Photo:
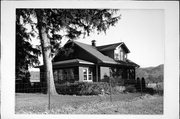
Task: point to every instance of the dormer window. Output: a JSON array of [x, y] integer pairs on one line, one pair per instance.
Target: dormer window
[[119, 54], [116, 54]]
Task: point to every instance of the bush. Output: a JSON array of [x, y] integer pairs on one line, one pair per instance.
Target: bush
[[114, 81], [151, 91], [138, 84], [82, 88], [143, 83], [119, 89], [130, 88]]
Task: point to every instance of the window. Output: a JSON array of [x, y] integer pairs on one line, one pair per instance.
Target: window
[[90, 74], [63, 75], [116, 54], [121, 55], [87, 74]]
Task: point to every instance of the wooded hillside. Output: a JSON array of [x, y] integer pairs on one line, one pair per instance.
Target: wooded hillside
[[151, 74]]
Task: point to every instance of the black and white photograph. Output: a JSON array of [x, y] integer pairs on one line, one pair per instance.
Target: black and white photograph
[[103, 59]]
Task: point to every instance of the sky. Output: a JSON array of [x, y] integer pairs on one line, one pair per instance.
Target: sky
[[143, 32]]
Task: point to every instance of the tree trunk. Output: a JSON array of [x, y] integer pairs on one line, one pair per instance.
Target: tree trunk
[[46, 52]]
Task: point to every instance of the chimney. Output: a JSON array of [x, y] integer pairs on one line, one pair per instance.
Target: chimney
[[93, 43]]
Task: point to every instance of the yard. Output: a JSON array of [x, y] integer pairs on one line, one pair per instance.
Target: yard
[[130, 103]]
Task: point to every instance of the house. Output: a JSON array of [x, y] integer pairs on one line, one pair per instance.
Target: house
[[90, 63]]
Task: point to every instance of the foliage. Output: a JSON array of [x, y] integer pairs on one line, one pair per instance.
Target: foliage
[[141, 86], [114, 81], [68, 23], [149, 91], [26, 54], [130, 88], [73, 23], [143, 83], [82, 88]]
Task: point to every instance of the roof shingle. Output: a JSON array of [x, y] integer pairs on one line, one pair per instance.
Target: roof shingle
[[93, 51]]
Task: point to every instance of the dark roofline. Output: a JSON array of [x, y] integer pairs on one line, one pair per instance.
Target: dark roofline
[[112, 47], [70, 61], [80, 61], [101, 47]]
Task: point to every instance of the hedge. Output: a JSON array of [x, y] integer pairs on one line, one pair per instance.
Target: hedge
[[82, 88]]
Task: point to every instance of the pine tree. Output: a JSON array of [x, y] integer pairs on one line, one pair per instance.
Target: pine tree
[[26, 54]]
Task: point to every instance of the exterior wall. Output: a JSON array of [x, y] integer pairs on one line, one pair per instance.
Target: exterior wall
[[81, 74], [104, 71]]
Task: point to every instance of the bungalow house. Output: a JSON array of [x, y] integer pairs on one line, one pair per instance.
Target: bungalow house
[[90, 63]]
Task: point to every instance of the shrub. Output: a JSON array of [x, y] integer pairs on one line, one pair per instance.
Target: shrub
[[130, 88], [143, 83], [119, 89], [159, 88], [138, 84], [113, 80], [151, 91], [82, 88]]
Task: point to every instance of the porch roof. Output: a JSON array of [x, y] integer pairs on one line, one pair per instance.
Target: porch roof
[[72, 61], [127, 63], [69, 62]]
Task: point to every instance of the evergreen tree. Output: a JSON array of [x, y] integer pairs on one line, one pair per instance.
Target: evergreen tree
[[26, 54]]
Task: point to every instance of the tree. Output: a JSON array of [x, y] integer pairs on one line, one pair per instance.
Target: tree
[[26, 54], [55, 24]]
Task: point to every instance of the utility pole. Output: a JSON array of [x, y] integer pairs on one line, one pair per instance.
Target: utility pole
[[49, 93]]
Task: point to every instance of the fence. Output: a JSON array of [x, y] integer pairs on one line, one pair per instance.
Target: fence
[[118, 84]]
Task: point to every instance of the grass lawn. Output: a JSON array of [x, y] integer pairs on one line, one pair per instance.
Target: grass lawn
[[131, 103]]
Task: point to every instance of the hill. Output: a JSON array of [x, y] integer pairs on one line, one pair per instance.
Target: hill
[[151, 74]]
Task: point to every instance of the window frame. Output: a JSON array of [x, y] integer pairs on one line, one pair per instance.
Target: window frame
[[88, 74]]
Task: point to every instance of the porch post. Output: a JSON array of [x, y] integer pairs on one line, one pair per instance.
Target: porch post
[[134, 69], [97, 73], [127, 73]]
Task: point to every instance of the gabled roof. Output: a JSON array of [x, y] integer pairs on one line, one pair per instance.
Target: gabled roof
[[113, 46], [96, 52], [93, 51]]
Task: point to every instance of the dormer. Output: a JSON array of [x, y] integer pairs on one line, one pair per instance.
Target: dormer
[[121, 52], [117, 51]]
